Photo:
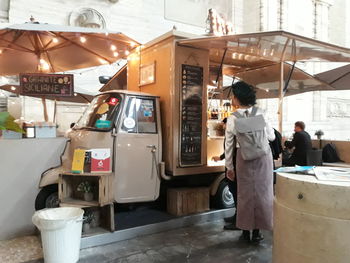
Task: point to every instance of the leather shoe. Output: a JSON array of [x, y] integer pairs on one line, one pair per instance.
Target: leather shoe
[[245, 236], [231, 227], [229, 219], [257, 236]]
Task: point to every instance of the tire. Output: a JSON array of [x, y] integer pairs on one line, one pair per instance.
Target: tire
[[223, 197], [47, 197]]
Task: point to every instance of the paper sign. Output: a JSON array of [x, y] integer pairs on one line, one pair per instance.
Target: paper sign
[[101, 160], [113, 101]]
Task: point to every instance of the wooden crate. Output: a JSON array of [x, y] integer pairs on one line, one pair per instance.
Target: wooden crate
[[106, 219], [184, 201], [103, 189]]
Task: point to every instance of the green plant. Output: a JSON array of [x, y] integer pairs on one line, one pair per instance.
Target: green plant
[[319, 133], [88, 217], [85, 187], [7, 122]]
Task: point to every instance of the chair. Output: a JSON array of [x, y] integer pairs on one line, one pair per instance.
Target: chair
[[314, 157]]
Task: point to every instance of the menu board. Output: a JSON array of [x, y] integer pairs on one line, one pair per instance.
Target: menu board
[[47, 84], [191, 115]]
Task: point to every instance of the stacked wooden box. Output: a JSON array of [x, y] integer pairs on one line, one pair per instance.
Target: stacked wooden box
[[103, 194], [184, 201]]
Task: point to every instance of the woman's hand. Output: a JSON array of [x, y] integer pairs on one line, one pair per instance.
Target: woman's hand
[[230, 174], [216, 158]]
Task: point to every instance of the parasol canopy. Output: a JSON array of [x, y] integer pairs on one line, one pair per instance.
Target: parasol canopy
[[35, 47], [257, 57], [339, 78]]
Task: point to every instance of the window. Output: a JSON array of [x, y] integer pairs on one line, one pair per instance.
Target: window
[[140, 116], [101, 112]]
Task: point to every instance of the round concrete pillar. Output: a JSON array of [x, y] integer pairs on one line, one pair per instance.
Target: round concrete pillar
[[311, 220]]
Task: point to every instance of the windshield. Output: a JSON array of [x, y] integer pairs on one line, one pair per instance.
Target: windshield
[[101, 112]]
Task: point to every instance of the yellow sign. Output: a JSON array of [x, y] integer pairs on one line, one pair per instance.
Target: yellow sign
[[78, 161]]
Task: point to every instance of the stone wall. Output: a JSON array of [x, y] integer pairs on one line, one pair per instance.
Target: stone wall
[[141, 20]]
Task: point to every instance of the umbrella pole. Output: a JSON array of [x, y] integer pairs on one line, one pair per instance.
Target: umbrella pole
[[43, 100], [55, 111], [280, 104], [281, 88]]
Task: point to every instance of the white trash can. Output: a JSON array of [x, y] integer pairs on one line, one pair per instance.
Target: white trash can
[[60, 233]]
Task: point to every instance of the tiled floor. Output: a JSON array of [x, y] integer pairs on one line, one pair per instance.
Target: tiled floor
[[202, 243], [20, 249]]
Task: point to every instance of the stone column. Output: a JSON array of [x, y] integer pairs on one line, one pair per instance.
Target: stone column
[[321, 18], [4, 11], [321, 26], [237, 16]]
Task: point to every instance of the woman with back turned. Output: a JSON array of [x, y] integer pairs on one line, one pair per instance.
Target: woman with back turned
[[254, 165]]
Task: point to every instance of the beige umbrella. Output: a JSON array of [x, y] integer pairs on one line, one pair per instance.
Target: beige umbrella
[[34, 47], [339, 78]]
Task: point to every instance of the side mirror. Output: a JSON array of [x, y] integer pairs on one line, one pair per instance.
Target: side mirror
[[72, 125], [104, 79]]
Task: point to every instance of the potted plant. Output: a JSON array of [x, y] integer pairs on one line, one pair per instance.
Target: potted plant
[[8, 124], [86, 188], [87, 219], [319, 134]]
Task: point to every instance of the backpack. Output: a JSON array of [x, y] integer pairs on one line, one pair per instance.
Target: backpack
[[329, 154], [276, 145], [251, 135]]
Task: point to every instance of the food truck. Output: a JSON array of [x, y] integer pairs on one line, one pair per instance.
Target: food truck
[[155, 125], [154, 114]]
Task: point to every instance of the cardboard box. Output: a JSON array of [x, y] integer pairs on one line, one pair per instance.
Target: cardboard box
[[185, 201], [101, 160], [6, 134], [45, 130], [78, 161]]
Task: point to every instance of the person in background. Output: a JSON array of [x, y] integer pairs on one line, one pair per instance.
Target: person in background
[[301, 143], [254, 177], [232, 185]]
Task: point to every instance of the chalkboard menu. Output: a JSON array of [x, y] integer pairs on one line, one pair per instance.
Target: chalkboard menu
[[47, 84], [191, 115]]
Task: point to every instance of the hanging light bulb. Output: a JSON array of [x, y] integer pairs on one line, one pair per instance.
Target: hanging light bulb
[[13, 88], [127, 52], [55, 40], [75, 94], [116, 54], [132, 44], [113, 47], [44, 65], [82, 39], [264, 52], [0, 51], [102, 61]]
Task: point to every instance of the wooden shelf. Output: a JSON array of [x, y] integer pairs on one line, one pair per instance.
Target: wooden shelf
[[102, 185], [88, 174], [77, 203], [106, 219]]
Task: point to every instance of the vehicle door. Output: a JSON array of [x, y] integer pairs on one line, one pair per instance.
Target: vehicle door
[[137, 151]]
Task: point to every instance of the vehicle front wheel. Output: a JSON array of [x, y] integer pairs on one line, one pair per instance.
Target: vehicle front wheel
[[47, 197], [223, 197]]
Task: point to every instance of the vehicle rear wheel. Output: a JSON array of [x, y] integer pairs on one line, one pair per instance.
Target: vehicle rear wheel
[[47, 197], [223, 197]]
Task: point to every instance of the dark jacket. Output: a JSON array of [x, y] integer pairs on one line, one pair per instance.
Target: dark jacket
[[276, 145], [302, 143]]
